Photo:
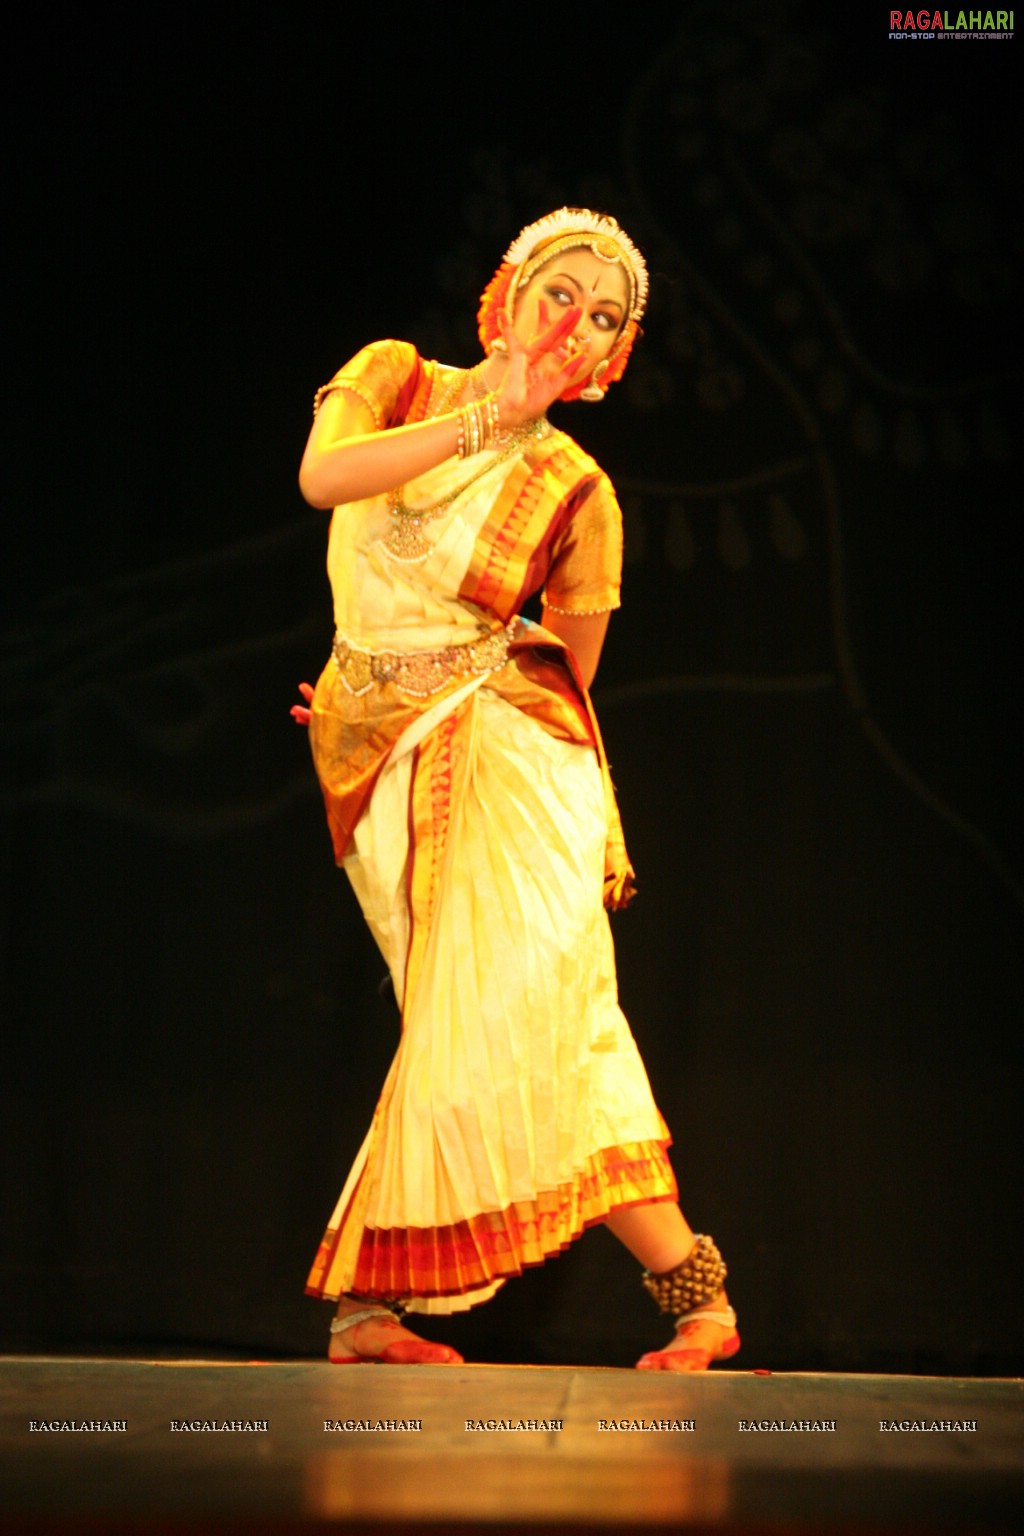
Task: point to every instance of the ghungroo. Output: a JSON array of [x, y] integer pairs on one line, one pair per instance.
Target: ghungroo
[[696, 1280]]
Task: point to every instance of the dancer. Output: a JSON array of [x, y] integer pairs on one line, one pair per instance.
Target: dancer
[[469, 801]]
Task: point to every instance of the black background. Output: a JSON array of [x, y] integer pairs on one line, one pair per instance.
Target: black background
[[809, 698]]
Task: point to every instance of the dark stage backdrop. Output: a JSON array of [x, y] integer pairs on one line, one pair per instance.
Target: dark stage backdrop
[[809, 697]]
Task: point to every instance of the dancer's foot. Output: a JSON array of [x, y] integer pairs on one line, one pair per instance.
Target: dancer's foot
[[375, 1336], [702, 1336]]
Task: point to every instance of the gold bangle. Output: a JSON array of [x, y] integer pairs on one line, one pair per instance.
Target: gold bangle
[[490, 408]]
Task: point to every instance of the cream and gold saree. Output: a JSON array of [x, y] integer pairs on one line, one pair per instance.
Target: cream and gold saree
[[470, 804]]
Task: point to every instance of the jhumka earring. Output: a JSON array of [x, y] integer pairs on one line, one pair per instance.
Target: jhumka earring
[[593, 390]]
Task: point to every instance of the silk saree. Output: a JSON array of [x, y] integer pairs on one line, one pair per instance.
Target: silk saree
[[475, 818]]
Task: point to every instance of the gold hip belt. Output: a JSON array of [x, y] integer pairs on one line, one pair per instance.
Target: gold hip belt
[[420, 673]]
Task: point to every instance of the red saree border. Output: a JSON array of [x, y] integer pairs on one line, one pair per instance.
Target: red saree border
[[470, 1255], [430, 813], [509, 558]]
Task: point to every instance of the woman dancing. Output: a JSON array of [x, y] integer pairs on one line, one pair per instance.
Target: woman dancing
[[469, 801]]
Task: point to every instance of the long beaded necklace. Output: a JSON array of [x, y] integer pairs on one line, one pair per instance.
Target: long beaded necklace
[[404, 538]]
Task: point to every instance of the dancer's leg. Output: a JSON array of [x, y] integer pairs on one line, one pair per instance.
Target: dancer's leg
[[659, 1236], [371, 1338]]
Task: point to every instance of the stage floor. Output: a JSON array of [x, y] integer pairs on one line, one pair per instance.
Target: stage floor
[[290, 1464]]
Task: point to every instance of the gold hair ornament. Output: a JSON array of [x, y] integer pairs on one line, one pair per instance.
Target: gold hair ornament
[[569, 228]]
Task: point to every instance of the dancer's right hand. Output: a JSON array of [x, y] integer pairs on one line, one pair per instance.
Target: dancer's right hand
[[541, 369]]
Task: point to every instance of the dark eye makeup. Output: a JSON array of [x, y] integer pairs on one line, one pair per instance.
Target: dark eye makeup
[[602, 319]]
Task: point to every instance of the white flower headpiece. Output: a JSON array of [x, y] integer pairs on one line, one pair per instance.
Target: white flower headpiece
[[566, 223]]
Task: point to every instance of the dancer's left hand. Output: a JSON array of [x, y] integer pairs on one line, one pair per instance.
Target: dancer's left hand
[[300, 712]]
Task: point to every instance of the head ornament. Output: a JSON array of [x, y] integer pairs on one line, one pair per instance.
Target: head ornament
[[564, 230], [567, 228]]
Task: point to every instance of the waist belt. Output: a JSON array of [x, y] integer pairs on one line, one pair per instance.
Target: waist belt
[[420, 673]]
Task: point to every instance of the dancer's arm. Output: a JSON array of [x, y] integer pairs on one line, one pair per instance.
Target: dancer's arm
[[346, 459], [583, 633]]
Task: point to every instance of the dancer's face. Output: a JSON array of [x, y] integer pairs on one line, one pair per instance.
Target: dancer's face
[[599, 288]]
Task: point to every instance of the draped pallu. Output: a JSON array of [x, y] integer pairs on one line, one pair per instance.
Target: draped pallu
[[477, 823]]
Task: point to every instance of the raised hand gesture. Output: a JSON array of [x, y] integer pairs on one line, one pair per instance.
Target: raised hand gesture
[[539, 370]]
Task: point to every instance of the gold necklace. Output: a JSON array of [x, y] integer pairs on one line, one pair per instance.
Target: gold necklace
[[460, 377], [448, 396], [404, 538]]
